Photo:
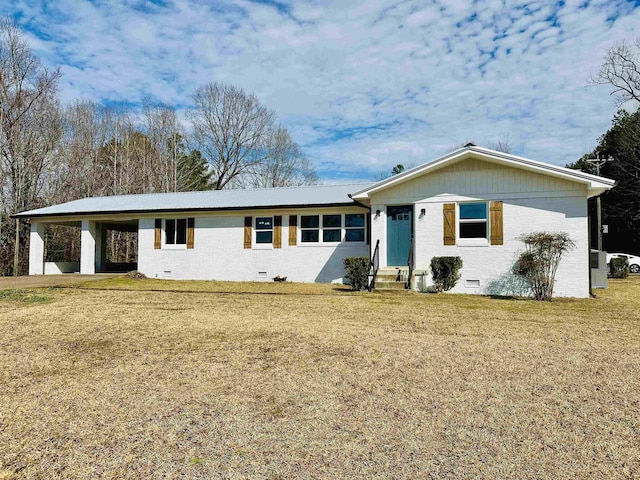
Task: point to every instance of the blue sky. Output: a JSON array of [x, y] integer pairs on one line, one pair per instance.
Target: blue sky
[[362, 86]]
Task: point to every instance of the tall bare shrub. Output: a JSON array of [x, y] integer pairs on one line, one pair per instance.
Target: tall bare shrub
[[538, 264]]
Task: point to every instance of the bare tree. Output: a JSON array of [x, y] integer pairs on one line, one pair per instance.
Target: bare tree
[[231, 129], [501, 145], [30, 128], [285, 165], [162, 127], [621, 70]]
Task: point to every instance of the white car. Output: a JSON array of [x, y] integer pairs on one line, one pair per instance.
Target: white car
[[634, 261]]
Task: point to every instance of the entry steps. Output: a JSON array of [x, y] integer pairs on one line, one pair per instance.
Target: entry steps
[[394, 279]]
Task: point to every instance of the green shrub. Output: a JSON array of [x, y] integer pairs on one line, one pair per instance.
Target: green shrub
[[357, 269], [538, 264], [445, 272], [619, 267]]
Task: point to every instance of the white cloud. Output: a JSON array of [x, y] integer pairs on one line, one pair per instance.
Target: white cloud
[[361, 85]]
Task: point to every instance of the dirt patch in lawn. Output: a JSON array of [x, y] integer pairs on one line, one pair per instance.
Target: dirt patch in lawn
[[217, 382]]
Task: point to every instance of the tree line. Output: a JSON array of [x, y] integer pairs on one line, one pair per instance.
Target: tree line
[[618, 151], [50, 153]]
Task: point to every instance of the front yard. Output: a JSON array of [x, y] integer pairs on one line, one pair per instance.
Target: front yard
[[230, 380]]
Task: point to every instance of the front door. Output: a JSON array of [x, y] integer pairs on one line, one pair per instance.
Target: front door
[[398, 234]]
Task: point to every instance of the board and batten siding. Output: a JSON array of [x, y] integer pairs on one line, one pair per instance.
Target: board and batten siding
[[219, 251], [531, 202], [475, 177]]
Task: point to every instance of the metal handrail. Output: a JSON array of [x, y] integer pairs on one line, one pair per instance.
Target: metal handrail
[[374, 265], [410, 262]]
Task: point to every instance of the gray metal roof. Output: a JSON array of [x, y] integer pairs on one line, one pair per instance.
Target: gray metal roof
[[208, 200]]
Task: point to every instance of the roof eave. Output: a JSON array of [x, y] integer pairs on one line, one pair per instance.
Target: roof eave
[[30, 214]]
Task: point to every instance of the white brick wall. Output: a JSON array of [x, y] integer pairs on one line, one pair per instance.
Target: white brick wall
[[490, 264], [219, 252]]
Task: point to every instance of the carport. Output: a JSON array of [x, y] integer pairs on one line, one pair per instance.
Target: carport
[[93, 246]]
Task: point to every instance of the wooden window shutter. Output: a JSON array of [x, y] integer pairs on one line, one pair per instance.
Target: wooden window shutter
[[495, 215], [157, 239], [449, 214], [190, 232], [277, 231], [247, 231], [293, 230]]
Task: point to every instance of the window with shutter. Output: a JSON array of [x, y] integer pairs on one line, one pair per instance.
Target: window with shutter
[[497, 235], [277, 231], [157, 239], [190, 232], [449, 223], [247, 231], [293, 230]]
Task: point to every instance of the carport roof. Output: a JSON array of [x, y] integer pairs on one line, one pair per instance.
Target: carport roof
[[308, 196]]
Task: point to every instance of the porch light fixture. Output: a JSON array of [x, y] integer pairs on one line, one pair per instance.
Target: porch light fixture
[[422, 212], [377, 213]]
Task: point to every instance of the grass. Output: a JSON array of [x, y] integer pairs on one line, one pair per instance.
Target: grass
[[20, 296], [149, 379]]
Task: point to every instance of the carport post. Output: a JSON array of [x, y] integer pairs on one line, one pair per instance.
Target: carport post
[[88, 248], [36, 248]]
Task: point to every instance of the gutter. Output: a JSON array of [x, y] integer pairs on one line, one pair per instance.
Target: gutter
[[202, 209]]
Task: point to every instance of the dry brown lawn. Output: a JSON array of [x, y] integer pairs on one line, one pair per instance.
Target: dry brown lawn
[[223, 380]]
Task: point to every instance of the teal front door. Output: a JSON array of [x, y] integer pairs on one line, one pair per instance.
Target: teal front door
[[398, 234]]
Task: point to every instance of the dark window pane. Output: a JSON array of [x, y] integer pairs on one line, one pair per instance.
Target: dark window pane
[[264, 237], [354, 220], [331, 235], [403, 212], [170, 232], [309, 236], [354, 235], [309, 221], [473, 230], [181, 231], [264, 223], [473, 210], [331, 221]]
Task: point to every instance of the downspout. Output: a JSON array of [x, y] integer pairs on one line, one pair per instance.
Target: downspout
[[360, 204]]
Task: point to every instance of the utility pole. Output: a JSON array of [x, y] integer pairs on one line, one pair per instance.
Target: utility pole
[[597, 163]]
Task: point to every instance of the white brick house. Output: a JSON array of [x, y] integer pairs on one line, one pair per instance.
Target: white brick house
[[473, 203]]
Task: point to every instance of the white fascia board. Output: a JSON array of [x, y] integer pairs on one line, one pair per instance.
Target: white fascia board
[[591, 181]]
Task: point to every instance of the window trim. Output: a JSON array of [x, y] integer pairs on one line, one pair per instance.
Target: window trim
[[263, 245], [175, 246], [363, 228], [343, 230], [477, 241]]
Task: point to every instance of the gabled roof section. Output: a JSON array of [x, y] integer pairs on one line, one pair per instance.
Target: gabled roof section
[[287, 197], [595, 184]]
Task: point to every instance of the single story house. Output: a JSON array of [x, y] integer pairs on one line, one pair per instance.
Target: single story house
[[473, 202]]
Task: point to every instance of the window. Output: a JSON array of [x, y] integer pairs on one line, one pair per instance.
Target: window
[[354, 227], [175, 231], [264, 229], [473, 220], [331, 228], [310, 228]]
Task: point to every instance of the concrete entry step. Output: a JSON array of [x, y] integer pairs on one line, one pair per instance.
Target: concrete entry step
[[388, 285]]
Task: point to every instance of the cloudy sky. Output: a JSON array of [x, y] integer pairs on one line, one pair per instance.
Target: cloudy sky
[[361, 86]]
